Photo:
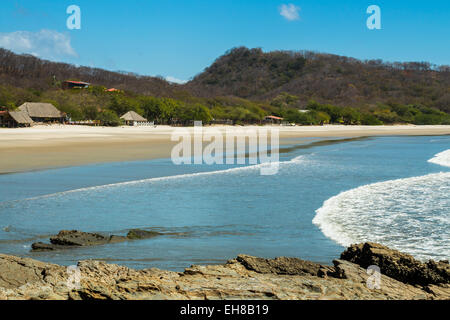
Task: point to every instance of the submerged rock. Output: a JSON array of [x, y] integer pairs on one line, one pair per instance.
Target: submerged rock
[[397, 265], [116, 239], [68, 239], [78, 238], [40, 246], [142, 234]]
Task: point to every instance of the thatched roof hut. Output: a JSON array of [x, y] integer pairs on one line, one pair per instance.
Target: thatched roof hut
[[133, 116], [40, 111], [21, 117], [133, 119], [13, 119]]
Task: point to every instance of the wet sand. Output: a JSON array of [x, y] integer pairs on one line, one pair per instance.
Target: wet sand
[[41, 147]]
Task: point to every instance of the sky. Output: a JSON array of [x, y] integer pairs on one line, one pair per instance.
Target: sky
[[178, 39]]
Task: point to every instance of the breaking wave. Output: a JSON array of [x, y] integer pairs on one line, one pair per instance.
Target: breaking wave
[[411, 214], [255, 167], [442, 158]]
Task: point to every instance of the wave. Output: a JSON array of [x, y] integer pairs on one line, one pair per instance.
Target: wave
[[295, 160], [442, 159], [167, 178], [411, 215]]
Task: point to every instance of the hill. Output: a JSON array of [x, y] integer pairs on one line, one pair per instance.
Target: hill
[[326, 78], [27, 71], [243, 86]]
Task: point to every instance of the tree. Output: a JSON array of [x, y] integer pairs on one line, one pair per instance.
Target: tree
[[121, 105], [152, 108], [370, 120], [351, 116], [109, 118]]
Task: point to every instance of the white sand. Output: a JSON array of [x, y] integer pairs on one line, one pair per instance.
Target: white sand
[[58, 145]]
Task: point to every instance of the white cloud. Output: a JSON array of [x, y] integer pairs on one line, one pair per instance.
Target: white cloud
[[47, 44], [290, 11], [175, 80]]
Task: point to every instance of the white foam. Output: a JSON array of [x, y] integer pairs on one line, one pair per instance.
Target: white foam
[[411, 215], [442, 158], [167, 178]]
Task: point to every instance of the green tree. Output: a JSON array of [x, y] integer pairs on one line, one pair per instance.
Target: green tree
[[152, 107], [109, 118], [370, 120], [121, 105]]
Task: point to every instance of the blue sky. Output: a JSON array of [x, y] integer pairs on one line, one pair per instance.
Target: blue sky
[[178, 39]]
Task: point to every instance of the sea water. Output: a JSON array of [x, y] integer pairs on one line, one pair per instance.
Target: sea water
[[328, 194]]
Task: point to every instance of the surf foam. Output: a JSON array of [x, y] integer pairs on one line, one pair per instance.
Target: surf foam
[[411, 215], [295, 160], [442, 158]]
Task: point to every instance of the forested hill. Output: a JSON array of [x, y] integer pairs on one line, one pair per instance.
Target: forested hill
[[255, 75], [243, 86], [27, 71]]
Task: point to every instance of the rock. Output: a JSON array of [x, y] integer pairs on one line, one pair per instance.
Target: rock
[[281, 265], [397, 265], [390, 287], [116, 239], [40, 246], [142, 234], [441, 291], [69, 239], [16, 272], [78, 238], [245, 277]]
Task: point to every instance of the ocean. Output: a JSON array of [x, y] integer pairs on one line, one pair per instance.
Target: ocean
[[328, 194]]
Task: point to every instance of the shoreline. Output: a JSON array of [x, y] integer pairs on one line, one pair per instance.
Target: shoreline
[[401, 277], [55, 146]]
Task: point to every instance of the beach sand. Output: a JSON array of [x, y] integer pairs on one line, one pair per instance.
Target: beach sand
[[41, 147]]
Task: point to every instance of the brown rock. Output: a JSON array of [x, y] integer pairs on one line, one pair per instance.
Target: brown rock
[[16, 272], [395, 264], [242, 278], [142, 234], [281, 265], [40, 246], [69, 239], [78, 238]]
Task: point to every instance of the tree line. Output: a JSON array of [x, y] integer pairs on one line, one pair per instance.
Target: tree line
[[95, 103], [242, 86], [326, 78]]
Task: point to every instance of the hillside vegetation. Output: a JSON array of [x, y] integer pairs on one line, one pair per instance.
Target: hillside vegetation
[[244, 86], [343, 81]]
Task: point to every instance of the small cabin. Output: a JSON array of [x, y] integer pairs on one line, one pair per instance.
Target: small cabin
[[75, 85], [273, 120], [113, 90]]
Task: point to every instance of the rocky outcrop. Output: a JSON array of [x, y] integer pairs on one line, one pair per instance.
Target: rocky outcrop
[[142, 234], [78, 238], [397, 265], [245, 277], [66, 239], [283, 265]]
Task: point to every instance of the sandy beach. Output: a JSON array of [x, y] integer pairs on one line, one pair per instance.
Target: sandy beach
[[41, 147]]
